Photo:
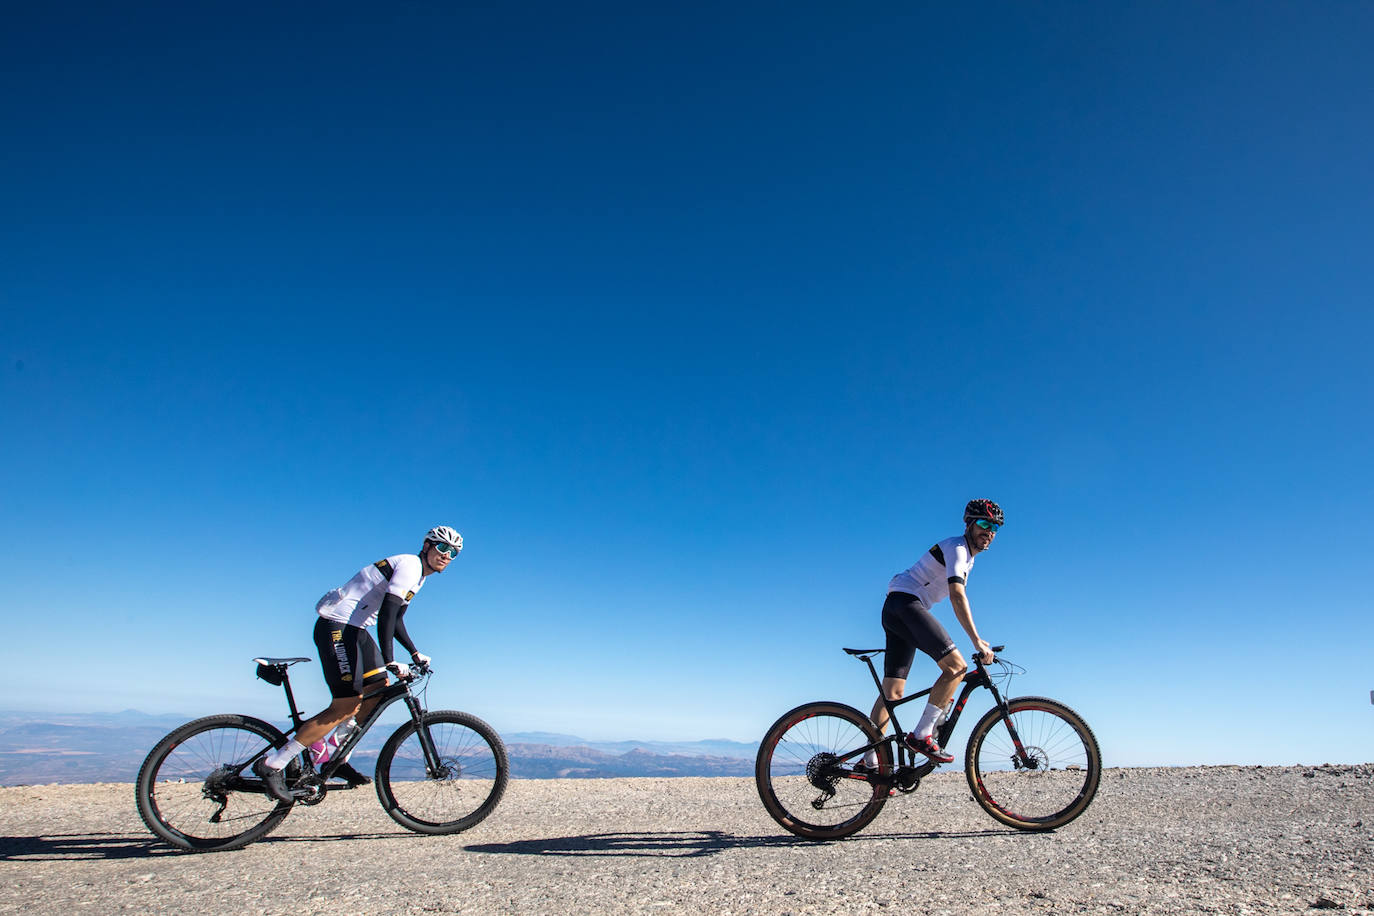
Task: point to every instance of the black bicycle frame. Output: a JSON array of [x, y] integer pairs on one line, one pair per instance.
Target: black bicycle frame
[[386, 695], [906, 757]]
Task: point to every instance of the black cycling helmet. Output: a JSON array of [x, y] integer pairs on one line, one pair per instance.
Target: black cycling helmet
[[982, 508]]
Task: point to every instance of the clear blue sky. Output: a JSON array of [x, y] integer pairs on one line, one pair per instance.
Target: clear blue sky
[[699, 324]]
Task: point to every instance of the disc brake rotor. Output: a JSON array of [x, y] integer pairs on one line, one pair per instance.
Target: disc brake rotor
[[1034, 760]]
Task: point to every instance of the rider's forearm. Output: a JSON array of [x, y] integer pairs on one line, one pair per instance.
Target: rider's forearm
[[402, 636], [387, 618], [964, 613]]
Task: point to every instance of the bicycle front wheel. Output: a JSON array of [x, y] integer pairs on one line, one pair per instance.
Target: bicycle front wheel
[[805, 771], [466, 786], [1046, 782], [192, 791]]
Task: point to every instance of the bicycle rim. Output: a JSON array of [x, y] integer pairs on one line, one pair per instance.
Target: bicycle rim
[[187, 795], [469, 784], [1051, 782], [804, 780]]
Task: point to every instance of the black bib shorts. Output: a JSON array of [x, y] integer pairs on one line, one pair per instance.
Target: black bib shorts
[[910, 626], [350, 658]]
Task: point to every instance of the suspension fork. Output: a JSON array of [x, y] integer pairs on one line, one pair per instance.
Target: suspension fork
[[417, 714], [1022, 757]]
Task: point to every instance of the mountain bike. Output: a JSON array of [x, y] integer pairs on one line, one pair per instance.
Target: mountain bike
[[441, 772], [1031, 762]]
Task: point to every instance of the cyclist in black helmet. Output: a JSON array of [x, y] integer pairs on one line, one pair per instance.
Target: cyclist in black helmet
[[942, 572]]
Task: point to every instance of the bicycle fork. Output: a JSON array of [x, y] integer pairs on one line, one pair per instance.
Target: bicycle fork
[[433, 765], [1022, 759]]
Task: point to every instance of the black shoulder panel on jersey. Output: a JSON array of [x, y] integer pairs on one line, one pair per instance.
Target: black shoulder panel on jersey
[[386, 569], [938, 554]]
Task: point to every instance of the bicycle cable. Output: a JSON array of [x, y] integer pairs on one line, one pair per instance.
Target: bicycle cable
[[1004, 677], [424, 691]]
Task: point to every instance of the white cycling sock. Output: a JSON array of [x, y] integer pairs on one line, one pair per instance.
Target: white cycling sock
[[871, 759], [927, 723], [279, 758]]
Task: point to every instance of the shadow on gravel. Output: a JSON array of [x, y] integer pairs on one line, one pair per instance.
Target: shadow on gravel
[[62, 846], [690, 843], [686, 843], [327, 837], [949, 835]]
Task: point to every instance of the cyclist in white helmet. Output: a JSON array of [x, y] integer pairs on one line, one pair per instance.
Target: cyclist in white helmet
[[352, 660], [941, 572]]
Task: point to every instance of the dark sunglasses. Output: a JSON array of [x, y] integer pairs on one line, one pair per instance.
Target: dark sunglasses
[[987, 525], [448, 549]]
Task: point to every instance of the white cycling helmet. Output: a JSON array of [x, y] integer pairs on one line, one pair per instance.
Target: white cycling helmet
[[443, 534]]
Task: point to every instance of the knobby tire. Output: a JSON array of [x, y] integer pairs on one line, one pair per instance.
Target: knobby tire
[[1065, 770], [174, 788], [804, 748], [475, 772]]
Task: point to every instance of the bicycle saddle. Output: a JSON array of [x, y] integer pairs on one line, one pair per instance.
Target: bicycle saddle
[[285, 662]]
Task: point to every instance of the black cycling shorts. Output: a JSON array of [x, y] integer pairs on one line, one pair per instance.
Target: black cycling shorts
[[909, 626], [350, 658]]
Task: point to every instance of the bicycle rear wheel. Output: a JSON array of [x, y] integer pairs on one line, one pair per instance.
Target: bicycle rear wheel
[[1048, 785], [470, 780], [191, 791], [805, 772]]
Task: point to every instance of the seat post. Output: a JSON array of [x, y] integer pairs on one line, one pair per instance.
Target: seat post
[[868, 659], [290, 699]]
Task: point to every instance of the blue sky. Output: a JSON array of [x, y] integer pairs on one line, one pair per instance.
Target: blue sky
[[699, 324]]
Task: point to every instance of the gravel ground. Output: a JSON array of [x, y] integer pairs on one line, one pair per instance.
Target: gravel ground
[[1186, 840]]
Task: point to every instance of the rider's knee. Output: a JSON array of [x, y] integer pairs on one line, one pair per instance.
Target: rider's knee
[[954, 664], [347, 705], [894, 691]]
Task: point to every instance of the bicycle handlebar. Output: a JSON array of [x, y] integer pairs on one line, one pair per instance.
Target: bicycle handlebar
[[415, 671]]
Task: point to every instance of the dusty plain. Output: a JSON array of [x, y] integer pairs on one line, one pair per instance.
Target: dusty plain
[[1230, 840]]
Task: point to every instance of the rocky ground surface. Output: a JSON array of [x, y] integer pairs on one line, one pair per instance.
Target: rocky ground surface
[[1188, 840]]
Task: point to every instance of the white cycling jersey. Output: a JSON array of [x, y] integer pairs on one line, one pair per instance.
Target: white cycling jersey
[[358, 600], [950, 560]]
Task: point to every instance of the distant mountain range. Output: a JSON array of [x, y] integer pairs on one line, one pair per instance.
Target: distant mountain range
[[109, 747], [541, 755]]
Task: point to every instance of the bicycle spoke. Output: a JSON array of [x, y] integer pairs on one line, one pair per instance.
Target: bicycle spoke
[[183, 789], [470, 778], [1046, 781], [804, 772]]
